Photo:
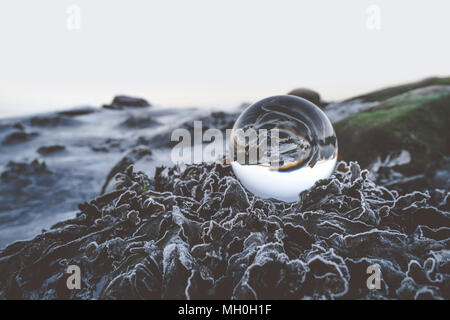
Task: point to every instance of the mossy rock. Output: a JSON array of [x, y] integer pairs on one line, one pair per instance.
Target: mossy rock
[[386, 93], [417, 121]]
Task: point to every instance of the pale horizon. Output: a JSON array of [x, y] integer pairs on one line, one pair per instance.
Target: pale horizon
[[35, 103], [211, 54]]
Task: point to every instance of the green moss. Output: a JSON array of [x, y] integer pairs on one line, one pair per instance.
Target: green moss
[[417, 121], [390, 92]]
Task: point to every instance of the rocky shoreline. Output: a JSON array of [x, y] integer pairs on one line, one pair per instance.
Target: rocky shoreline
[[95, 188]]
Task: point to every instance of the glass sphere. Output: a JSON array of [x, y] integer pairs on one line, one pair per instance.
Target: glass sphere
[[282, 145]]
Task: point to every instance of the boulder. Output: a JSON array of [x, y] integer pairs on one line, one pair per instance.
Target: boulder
[[52, 121], [121, 102], [47, 150], [78, 111], [307, 94], [386, 93], [416, 121], [18, 137]]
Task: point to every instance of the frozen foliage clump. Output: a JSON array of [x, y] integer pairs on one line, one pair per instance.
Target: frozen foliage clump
[[196, 233]]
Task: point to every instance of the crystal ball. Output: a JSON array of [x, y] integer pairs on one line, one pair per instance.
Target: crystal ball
[[280, 146]]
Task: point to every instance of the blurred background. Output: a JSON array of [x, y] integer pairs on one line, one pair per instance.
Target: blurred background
[[204, 53]]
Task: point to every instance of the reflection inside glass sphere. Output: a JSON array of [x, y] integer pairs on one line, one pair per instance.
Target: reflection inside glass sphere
[[281, 146]]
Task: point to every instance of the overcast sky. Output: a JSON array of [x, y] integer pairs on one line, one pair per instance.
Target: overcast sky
[[212, 53]]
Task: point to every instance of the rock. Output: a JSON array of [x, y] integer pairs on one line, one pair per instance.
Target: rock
[[139, 122], [18, 126], [99, 149], [46, 150], [121, 102], [108, 145], [342, 109], [127, 101], [386, 93], [80, 111], [20, 169], [416, 121], [307, 94], [18, 137], [128, 159], [337, 111], [53, 120]]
